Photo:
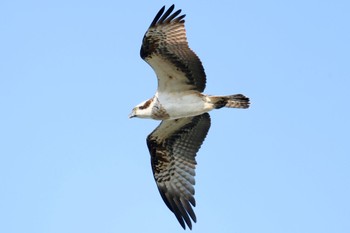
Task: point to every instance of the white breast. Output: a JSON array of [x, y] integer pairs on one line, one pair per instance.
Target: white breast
[[179, 105]]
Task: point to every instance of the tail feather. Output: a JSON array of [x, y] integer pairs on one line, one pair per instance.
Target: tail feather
[[237, 101], [230, 101]]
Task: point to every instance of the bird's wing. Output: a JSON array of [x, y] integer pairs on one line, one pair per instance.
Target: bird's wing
[[173, 146], [165, 49]]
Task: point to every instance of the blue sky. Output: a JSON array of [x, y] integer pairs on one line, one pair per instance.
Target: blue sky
[[72, 161]]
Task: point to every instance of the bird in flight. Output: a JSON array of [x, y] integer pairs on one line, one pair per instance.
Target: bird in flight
[[182, 107]]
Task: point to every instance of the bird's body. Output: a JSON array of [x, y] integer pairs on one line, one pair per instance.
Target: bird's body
[[182, 106], [165, 106]]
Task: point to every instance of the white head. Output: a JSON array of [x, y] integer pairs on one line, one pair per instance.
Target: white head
[[143, 110]]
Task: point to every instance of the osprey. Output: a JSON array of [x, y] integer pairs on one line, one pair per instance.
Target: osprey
[[181, 105]]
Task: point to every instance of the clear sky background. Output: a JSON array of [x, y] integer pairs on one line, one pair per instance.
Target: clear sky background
[[71, 160]]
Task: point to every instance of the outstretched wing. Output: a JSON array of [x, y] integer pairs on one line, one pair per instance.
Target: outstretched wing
[[173, 146], [165, 49]]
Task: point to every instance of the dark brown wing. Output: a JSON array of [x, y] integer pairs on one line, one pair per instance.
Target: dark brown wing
[[173, 146], [165, 48]]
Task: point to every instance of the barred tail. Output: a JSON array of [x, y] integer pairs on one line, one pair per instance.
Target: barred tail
[[230, 101]]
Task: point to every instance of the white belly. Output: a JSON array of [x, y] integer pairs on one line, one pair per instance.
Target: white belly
[[180, 105]]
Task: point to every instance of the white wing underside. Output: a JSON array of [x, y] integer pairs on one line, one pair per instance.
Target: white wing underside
[[170, 78]]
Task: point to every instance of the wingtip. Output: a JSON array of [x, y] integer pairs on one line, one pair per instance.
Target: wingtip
[[160, 12]]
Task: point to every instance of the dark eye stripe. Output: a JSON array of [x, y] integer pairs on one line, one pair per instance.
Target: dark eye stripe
[[148, 102]]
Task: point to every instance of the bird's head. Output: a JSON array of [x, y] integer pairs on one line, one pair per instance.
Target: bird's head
[[143, 110]]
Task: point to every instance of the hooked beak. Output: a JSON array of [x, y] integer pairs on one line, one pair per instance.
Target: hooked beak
[[132, 114]]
